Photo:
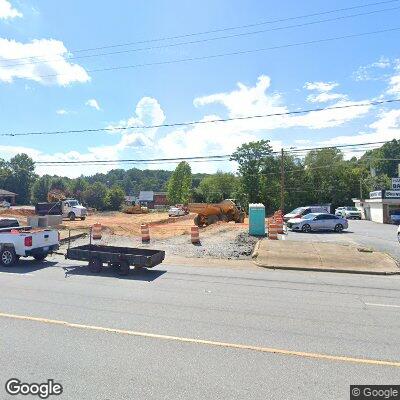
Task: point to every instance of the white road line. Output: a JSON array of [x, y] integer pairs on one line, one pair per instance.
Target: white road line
[[382, 305], [16, 273]]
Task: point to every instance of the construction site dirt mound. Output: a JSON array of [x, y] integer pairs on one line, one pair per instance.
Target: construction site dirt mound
[[19, 212]]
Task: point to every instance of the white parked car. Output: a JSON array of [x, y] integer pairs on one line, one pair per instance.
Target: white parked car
[[300, 212], [348, 212], [176, 212], [318, 222]]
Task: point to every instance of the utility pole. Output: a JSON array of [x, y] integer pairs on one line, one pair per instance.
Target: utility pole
[[361, 191], [282, 182]]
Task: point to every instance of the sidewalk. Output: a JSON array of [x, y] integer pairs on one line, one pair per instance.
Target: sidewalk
[[332, 257]]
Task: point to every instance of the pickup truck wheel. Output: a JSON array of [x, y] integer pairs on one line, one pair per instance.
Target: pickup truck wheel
[[40, 257], [8, 257], [71, 216], [123, 268], [95, 265]]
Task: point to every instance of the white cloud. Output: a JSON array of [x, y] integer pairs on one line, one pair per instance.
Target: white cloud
[[44, 61], [385, 128], [61, 111], [324, 92], [373, 71], [394, 85], [93, 103], [7, 11], [321, 86]]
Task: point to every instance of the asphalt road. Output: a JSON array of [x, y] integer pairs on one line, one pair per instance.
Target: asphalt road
[[339, 315], [380, 237]]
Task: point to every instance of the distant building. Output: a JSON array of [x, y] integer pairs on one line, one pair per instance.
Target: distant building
[[130, 200], [152, 199], [8, 196]]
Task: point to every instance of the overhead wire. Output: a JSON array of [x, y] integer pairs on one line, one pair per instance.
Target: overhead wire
[[242, 34], [203, 122], [191, 34]]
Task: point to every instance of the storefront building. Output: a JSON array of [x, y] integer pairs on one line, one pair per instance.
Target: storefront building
[[380, 206]]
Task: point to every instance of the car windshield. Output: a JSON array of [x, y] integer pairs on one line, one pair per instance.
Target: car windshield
[[309, 216], [73, 203], [351, 209], [297, 210]]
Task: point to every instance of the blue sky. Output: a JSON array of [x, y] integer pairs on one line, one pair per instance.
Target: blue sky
[[55, 89]]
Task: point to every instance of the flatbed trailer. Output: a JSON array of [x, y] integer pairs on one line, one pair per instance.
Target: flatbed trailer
[[120, 258]]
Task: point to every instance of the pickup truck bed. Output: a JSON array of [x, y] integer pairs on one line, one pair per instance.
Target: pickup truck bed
[[120, 257]]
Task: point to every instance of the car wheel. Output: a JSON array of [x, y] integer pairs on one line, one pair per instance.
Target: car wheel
[[8, 257], [40, 257], [83, 218], [71, 216], [306, 228], [398, 237], [338, 228], [95, 265]]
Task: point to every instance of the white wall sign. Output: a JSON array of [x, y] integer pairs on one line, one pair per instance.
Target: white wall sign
[[395, 183], [392, 194], [375, 195]]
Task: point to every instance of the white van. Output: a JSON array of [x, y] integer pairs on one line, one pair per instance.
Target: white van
[[301, 211]]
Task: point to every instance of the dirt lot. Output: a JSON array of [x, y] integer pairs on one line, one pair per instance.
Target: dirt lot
[[221, 240]]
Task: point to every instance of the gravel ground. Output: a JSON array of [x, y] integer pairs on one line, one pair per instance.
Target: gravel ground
[[223, 244]]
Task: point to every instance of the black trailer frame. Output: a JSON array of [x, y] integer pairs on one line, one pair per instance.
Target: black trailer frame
[[120, 258]]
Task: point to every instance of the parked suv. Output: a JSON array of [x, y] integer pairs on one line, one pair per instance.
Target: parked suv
[[348, 212]]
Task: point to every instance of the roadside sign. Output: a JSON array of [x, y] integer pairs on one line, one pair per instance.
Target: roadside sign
[[375, 195], [392, 194], [395, 183]]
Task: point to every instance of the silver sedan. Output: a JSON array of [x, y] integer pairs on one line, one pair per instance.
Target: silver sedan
[[318, 222]]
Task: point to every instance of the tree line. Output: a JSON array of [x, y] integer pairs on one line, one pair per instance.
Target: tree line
[[321, 176]]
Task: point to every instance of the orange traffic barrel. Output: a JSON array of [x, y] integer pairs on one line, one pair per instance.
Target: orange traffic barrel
[[279, 222], [96, 232], [144, 230], [273, 231], [194, 234]]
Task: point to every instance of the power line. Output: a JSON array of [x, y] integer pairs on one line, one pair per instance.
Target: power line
[[213, 158], [234, 53], [202, 122], [202, 40], [186, 35]]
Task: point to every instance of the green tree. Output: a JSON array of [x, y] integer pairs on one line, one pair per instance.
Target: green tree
[[21, 178], [179, 186], [254, 159], [217, 187], [41, 188], [96, 196], [115, 198], [78, 187]]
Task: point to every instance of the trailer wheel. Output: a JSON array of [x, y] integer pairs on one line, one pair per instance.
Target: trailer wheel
[[8, 257], [95, 265], [123, 268]]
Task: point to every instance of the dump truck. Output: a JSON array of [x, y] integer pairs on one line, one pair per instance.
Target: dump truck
[[209, 213]]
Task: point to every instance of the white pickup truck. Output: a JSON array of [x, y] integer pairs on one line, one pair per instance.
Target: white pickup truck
[[19, 242]]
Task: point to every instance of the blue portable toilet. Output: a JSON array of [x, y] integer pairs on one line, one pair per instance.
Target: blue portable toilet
[[257, 219]]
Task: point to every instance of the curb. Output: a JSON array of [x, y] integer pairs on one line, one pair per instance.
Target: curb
[[254, 254], [341, 271]]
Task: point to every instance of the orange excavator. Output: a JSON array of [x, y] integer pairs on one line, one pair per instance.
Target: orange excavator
[[209, 213]]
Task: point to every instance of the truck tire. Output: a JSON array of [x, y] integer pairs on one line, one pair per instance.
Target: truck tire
[[95, 265], [71, 216], [123, 268], [40, 257], [8, 257]]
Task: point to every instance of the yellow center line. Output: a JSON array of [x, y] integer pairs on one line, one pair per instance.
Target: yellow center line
[[206, 342]]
